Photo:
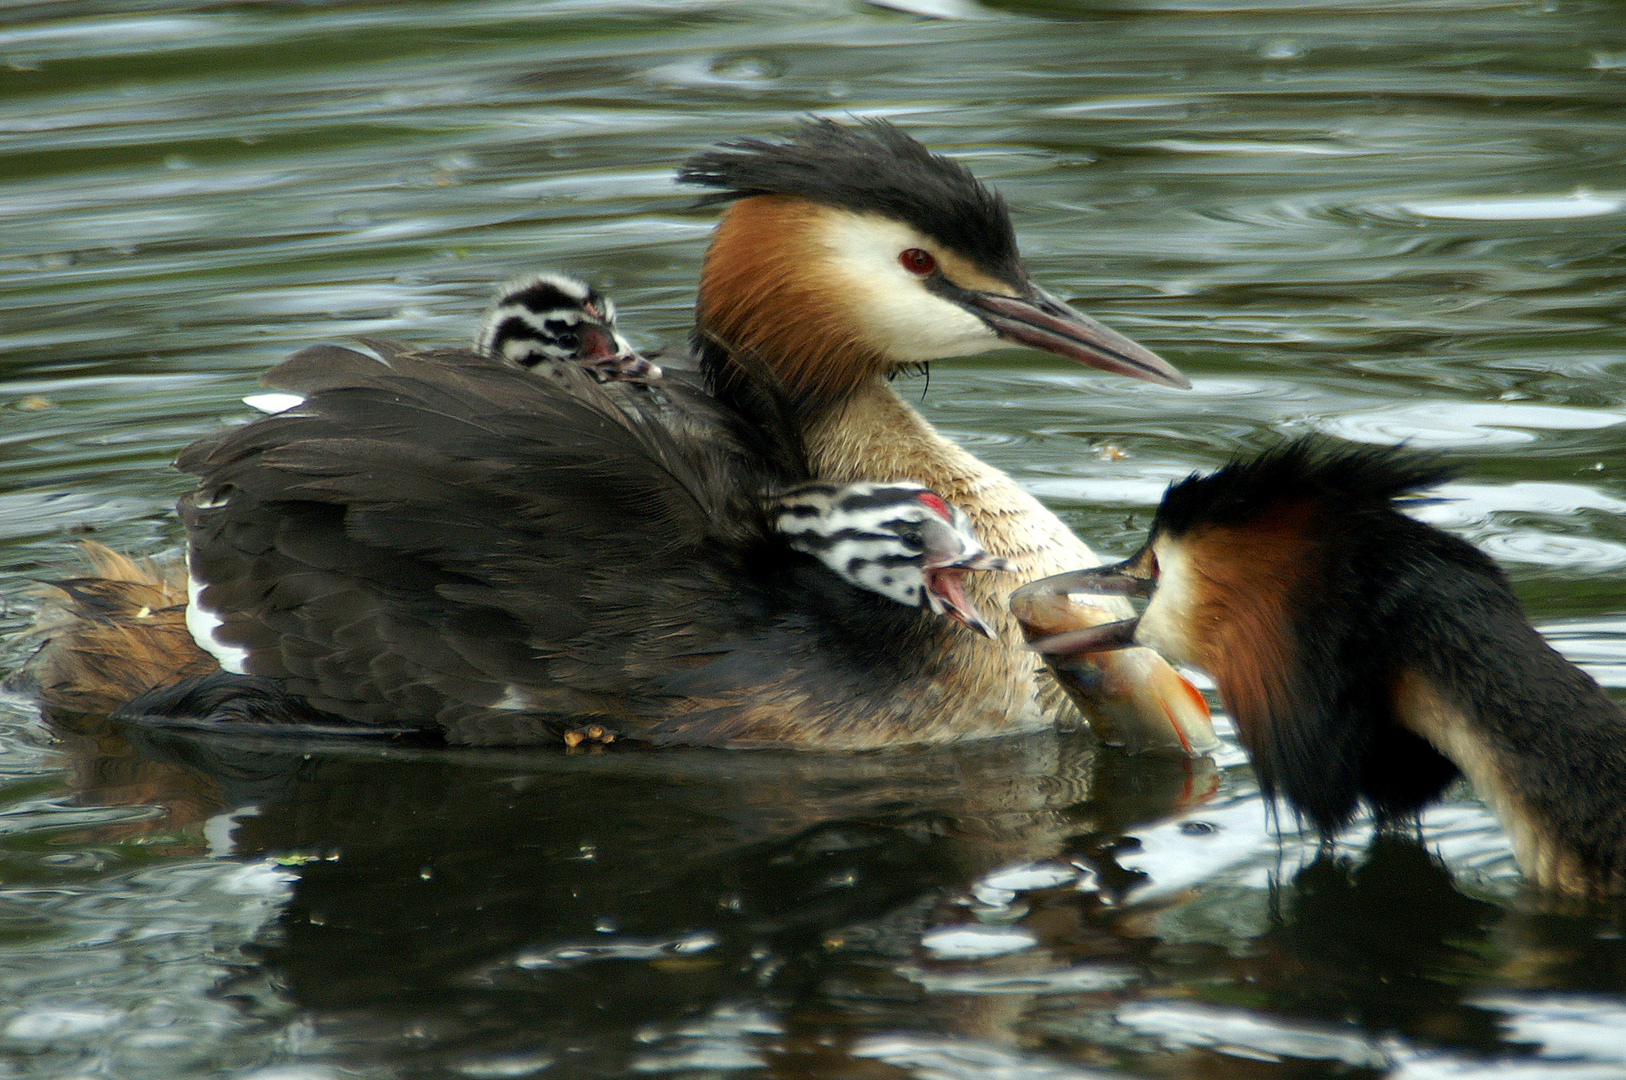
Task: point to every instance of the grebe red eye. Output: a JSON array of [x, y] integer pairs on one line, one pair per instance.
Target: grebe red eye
[[917, 260], [935, 501]]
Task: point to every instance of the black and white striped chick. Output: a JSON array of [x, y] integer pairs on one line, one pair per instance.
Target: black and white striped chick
[[548, 321], [900, 540], [1367, 656]]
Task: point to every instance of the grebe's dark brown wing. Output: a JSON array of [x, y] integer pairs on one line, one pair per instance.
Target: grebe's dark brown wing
[[434, 538]]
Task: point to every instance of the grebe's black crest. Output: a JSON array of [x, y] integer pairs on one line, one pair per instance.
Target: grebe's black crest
[[1350, 571], [1367, 656], [870, 167], [1312, 467]]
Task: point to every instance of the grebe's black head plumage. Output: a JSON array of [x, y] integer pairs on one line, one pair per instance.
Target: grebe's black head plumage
[[1309, 468], [849, 251], [1367, 656], [872, 167], [1294, 580]]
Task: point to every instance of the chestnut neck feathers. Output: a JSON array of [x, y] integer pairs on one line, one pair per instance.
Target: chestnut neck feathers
[[767, 313], [803, 312], [1366, 655]]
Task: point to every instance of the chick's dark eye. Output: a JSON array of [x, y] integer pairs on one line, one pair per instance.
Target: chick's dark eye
[[912, 538], [917, 260]]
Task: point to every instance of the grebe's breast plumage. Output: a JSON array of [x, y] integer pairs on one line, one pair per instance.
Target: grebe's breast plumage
[[1368, 657]]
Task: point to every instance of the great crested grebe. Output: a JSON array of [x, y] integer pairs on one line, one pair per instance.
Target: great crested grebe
[[1367, 656], [528, 561], [845, 253], [123, 629], [849, 252]]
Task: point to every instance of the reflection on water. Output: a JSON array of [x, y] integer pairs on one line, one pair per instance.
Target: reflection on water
[[1385, 221], [483, 904], [471, 912]]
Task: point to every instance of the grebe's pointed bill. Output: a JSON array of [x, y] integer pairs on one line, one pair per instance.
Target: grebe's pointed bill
[[945, 590], [1103, 637], [1135, 576], [1044, 322]]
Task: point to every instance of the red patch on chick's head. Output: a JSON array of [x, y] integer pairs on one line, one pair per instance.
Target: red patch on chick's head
[[936, 503]]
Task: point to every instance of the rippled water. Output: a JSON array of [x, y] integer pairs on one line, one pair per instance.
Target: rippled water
[[1393, 220]]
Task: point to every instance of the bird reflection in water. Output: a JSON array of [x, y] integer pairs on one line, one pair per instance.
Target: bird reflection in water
[[443, 891], [609, 909]]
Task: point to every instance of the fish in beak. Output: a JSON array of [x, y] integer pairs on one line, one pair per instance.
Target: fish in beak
[[1129, 700], [1128, 578]]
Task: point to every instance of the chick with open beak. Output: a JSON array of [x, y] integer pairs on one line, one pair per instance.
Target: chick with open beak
[[900, 540]]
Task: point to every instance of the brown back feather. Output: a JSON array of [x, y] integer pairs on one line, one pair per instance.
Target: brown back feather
[[113, 633]]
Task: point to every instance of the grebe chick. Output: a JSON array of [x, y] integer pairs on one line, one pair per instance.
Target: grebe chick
[[1367, 656], [900, 540], [549, 320]]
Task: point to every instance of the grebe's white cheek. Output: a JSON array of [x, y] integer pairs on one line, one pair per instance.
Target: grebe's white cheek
[[1169, 622], [892, 308]]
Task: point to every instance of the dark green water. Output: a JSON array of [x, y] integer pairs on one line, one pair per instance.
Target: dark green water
[[1397, 220]]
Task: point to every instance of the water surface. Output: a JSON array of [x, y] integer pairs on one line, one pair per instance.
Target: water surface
[[1384, 221]]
